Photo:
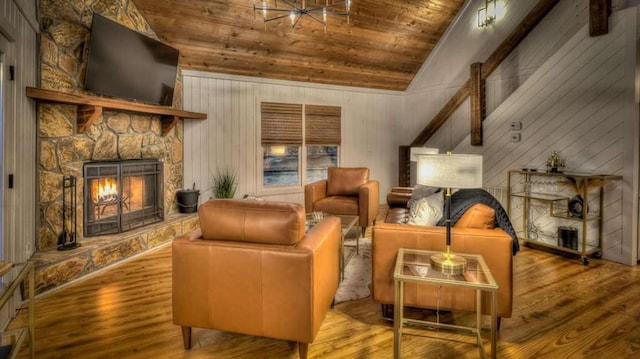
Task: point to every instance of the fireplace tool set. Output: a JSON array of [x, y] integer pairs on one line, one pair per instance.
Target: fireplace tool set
[[67, 239]]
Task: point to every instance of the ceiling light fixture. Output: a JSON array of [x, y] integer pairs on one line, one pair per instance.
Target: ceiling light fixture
[[296, 10], [492, 10]]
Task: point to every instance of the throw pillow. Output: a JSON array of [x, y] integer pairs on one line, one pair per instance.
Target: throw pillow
[[478, 216], [420, 191], [426, 211]]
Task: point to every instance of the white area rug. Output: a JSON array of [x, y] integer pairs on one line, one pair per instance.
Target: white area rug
[[357, 274]]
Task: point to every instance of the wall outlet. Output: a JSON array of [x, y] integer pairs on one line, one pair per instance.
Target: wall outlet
[[516, 126], [515, 137]]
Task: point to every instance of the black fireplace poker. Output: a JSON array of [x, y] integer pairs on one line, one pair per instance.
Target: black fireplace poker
[[67, 239]]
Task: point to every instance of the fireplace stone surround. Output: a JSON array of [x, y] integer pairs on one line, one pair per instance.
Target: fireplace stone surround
[[117, 135]]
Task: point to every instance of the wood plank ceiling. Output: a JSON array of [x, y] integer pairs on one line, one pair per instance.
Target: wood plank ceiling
[[382, 47]]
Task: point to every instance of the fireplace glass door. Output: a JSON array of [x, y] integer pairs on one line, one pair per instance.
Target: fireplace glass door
[[119, 196]]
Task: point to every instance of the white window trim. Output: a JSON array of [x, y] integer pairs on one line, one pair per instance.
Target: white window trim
[[263, 190]]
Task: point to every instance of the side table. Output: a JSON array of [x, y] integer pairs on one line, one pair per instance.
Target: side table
[[414, 266], [19, 273]]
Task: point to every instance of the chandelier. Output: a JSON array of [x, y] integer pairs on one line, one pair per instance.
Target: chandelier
[[296, 10]]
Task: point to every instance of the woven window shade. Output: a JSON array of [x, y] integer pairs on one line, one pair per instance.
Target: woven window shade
[[281, 123], [322, 125]]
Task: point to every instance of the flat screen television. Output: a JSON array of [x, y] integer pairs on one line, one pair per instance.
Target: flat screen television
[[126, 64]]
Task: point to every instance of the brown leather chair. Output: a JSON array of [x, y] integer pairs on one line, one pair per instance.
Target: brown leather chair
[[347, 191], [251, 269], [475, 233]]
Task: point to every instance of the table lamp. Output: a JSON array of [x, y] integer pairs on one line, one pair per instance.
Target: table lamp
[[449, 171]]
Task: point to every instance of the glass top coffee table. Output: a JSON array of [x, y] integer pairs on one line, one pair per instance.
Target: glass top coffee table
[[346, 224], [414, 266]]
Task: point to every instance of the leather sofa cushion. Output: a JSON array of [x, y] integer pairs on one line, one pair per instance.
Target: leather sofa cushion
[[346, 181], [346, 205], [266, 222], [478, 216]]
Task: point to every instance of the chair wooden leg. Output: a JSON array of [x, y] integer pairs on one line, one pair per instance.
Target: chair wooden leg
[[499, 321], [186, 337], [303, 350]]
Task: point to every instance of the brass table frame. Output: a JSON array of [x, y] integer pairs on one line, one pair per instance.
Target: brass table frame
[[483, 281]]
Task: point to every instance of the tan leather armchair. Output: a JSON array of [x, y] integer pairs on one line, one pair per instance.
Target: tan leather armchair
[[495, 246], [251, 269], [347, 191]]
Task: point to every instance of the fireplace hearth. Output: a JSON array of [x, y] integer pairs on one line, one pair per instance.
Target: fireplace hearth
[[122, 195]]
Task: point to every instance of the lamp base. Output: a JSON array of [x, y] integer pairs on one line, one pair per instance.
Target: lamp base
[[448, 263]]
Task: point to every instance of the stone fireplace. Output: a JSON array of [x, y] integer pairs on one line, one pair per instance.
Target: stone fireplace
[[116, 136], [121, 195]]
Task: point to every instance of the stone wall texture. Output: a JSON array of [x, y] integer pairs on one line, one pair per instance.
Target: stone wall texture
[[64, 38]]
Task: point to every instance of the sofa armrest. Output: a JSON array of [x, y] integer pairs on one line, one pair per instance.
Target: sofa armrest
[[314, 192], [324, 240], [401, 189], [368, 202], [399, 196]]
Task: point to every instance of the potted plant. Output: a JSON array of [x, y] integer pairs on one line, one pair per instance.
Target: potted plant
[[224, 184]]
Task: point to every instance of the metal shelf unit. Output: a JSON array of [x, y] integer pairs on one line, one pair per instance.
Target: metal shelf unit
[[558, 206]]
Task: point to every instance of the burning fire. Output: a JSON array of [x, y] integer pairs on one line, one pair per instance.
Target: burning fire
[[107, 190]]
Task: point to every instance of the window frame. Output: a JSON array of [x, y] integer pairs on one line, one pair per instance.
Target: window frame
[[262, 189]]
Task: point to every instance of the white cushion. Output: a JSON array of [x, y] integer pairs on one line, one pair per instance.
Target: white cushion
[[427, 211]]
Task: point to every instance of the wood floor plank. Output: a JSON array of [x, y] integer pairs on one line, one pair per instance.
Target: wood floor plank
[[562, 309]]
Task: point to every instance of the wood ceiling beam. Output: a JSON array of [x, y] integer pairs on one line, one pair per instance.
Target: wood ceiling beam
[[447, 110], [599, 12], [478, 100]]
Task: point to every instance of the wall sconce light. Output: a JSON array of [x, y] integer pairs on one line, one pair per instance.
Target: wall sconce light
[[492, 10]]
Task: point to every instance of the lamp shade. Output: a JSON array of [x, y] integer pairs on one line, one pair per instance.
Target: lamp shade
[[450, 170]]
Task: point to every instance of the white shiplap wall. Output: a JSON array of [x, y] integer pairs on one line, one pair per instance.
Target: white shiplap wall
[[19, 26], [467, 44], [230, 137], [579, 102]]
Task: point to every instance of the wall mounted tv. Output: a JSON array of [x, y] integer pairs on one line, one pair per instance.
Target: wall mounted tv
[[126, 64]]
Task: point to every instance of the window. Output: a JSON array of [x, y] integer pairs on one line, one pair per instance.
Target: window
[[286, 148]]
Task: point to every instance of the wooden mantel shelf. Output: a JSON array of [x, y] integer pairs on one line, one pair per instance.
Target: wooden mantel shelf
[[90, 108]]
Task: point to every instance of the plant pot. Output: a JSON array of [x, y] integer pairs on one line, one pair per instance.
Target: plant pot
[[187, 200]]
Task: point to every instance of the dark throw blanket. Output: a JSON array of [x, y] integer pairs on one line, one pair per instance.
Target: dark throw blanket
[[462, 199]]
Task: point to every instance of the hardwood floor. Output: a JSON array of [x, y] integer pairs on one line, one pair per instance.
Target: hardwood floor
[[562, 310]]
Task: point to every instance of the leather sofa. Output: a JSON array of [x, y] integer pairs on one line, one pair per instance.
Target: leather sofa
[[346, 191], [252, 269], [473, 233]]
